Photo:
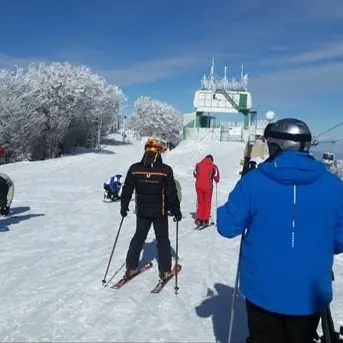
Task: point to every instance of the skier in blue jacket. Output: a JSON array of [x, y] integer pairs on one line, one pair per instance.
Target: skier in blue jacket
[[112, 188], [292, 208]]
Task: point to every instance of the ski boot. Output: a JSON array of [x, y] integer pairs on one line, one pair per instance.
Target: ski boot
[[198, 224], [202, 224], [165, 275], [130, 273], [4, 210]]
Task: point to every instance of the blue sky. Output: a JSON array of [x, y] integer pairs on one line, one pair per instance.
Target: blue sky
[[292, 51]]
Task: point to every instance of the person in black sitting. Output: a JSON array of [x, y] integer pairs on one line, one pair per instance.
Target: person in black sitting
[[6, 194]]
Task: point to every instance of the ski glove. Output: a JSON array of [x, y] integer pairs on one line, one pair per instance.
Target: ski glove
[[123, 212], [178, 216]]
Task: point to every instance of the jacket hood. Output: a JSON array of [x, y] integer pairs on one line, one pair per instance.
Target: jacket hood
[[293, 168], [151, 158]]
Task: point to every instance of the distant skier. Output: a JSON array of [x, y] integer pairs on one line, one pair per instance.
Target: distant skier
[[179, 194], [292, 208], [205, 172], [6, 193], [179, 190], [156, 194], [112, 188]]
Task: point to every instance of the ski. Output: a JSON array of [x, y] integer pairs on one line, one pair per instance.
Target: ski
[[202, 227], [125, 280], [160, 285]]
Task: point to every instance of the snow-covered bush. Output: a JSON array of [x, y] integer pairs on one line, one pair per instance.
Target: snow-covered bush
[[46, 109], [156, 119]]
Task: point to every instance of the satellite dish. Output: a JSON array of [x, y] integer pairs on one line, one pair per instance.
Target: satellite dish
[[270, 115]]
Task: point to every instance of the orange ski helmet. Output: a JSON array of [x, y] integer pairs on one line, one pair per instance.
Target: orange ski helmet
[[153, 145]]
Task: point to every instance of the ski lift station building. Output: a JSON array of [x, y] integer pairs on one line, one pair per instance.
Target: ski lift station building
[[220, 95]]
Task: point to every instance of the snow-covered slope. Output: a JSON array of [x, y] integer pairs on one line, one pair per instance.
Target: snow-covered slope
[[55, 247]]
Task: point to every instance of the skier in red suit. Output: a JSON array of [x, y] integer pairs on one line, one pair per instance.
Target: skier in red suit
[[205, 172]]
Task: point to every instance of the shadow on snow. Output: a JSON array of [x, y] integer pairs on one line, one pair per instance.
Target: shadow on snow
[[217, 305], [13, 217], [82, 150], [150, 252], [112, 141]]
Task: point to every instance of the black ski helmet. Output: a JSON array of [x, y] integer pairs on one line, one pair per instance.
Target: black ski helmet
[[289, 134], [266, 130]]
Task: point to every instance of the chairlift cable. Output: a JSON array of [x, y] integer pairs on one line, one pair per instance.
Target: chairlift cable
[[328, 130], [332, 141]]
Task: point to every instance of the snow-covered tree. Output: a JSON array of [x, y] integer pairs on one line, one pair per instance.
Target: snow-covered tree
[[154, 118], [46, 109]]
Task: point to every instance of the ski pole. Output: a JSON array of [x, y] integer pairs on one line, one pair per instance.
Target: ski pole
[[176, 258], [216, 201], [114, 246], [235, 291], [328, 327], [216, 195], [245, 170], [215, 210]]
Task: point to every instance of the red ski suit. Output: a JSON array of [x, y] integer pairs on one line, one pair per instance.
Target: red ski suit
[[205, 172]]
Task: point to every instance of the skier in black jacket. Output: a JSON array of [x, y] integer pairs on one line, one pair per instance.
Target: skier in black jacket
[[156, 194]]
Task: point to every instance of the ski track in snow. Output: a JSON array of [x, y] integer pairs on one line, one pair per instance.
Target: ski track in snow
[[56, 243]]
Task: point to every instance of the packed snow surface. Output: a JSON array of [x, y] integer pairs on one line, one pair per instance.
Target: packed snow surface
[[56, 244]]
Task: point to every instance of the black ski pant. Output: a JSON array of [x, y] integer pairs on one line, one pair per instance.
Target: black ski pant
[[108, 189], [269, 327], [163, 243]]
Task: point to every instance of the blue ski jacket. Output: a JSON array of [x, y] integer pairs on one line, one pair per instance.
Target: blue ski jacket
[[292, 208], [114, 183]]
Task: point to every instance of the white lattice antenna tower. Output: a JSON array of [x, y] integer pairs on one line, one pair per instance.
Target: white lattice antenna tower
[[214, 82], [212, 77]]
